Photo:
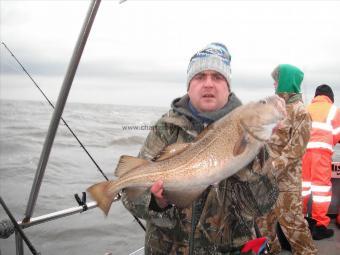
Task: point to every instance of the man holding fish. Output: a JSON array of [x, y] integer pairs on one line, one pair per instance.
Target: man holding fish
[[199, 180]]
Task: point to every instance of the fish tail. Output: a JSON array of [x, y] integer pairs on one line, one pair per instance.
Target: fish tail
[[99, 193]]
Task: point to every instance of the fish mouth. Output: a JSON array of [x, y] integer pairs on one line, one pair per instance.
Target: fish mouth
[[261, 133], [250, 132], [278, 103]]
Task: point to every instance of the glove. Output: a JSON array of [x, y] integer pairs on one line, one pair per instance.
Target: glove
[[256, 245]]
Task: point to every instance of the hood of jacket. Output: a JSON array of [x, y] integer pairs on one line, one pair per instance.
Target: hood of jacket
[[181, 105], [289, 79]]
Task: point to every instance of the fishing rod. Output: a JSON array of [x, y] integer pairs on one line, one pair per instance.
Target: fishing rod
[[69, 128]]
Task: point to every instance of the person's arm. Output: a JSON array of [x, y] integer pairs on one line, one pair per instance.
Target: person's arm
[[297, 129], [258, 190]]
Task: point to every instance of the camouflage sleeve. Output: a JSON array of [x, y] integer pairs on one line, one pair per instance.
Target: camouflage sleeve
[[289, 141], [258, 191], [142, 206]]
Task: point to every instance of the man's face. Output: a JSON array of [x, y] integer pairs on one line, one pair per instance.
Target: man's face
[[208, 91]]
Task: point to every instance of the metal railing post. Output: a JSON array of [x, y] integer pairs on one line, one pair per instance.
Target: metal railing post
[[67, 83], [19, 244], [72, 68]]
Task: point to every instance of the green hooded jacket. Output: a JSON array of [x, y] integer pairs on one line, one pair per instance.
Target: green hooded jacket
[[289, 79]]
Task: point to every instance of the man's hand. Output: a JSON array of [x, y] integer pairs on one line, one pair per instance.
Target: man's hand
[[157, 190]]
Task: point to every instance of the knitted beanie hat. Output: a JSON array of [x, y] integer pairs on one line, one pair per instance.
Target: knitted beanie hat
[[215, 56]]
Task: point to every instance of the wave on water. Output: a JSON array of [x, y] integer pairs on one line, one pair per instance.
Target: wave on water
[[130, 140]]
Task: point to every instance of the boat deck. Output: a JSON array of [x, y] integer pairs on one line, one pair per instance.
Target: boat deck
[[329, 246]]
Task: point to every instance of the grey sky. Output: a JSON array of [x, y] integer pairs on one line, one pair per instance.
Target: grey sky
[[138, 51]]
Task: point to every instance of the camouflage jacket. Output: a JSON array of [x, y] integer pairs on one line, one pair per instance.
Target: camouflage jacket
[[288, 143], [220, 221]]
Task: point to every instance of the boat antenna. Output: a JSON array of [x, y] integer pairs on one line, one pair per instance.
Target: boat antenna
[[69, 128]]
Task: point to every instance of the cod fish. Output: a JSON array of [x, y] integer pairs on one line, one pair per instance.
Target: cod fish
[[187, 169]]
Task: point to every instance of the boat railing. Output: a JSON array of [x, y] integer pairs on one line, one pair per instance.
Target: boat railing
[[54, 123], [8, 227]]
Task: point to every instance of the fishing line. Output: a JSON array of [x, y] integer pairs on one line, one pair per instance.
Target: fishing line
[[81, 144], [74, 135]]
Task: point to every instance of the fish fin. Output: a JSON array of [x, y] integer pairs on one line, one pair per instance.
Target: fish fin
[[98, 192], [182, 198], [172, 150], [127, 163], [241, 144]]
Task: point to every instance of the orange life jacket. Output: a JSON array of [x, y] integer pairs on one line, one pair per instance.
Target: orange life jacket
[[325, 131]]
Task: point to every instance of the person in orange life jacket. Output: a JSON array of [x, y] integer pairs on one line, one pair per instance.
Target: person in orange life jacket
[[317, 161]]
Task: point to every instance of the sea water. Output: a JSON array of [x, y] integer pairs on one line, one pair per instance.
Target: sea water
[[107, 131]]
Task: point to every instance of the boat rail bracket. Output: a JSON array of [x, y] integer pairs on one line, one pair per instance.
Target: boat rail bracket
[[9, 227], [82, 201]]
